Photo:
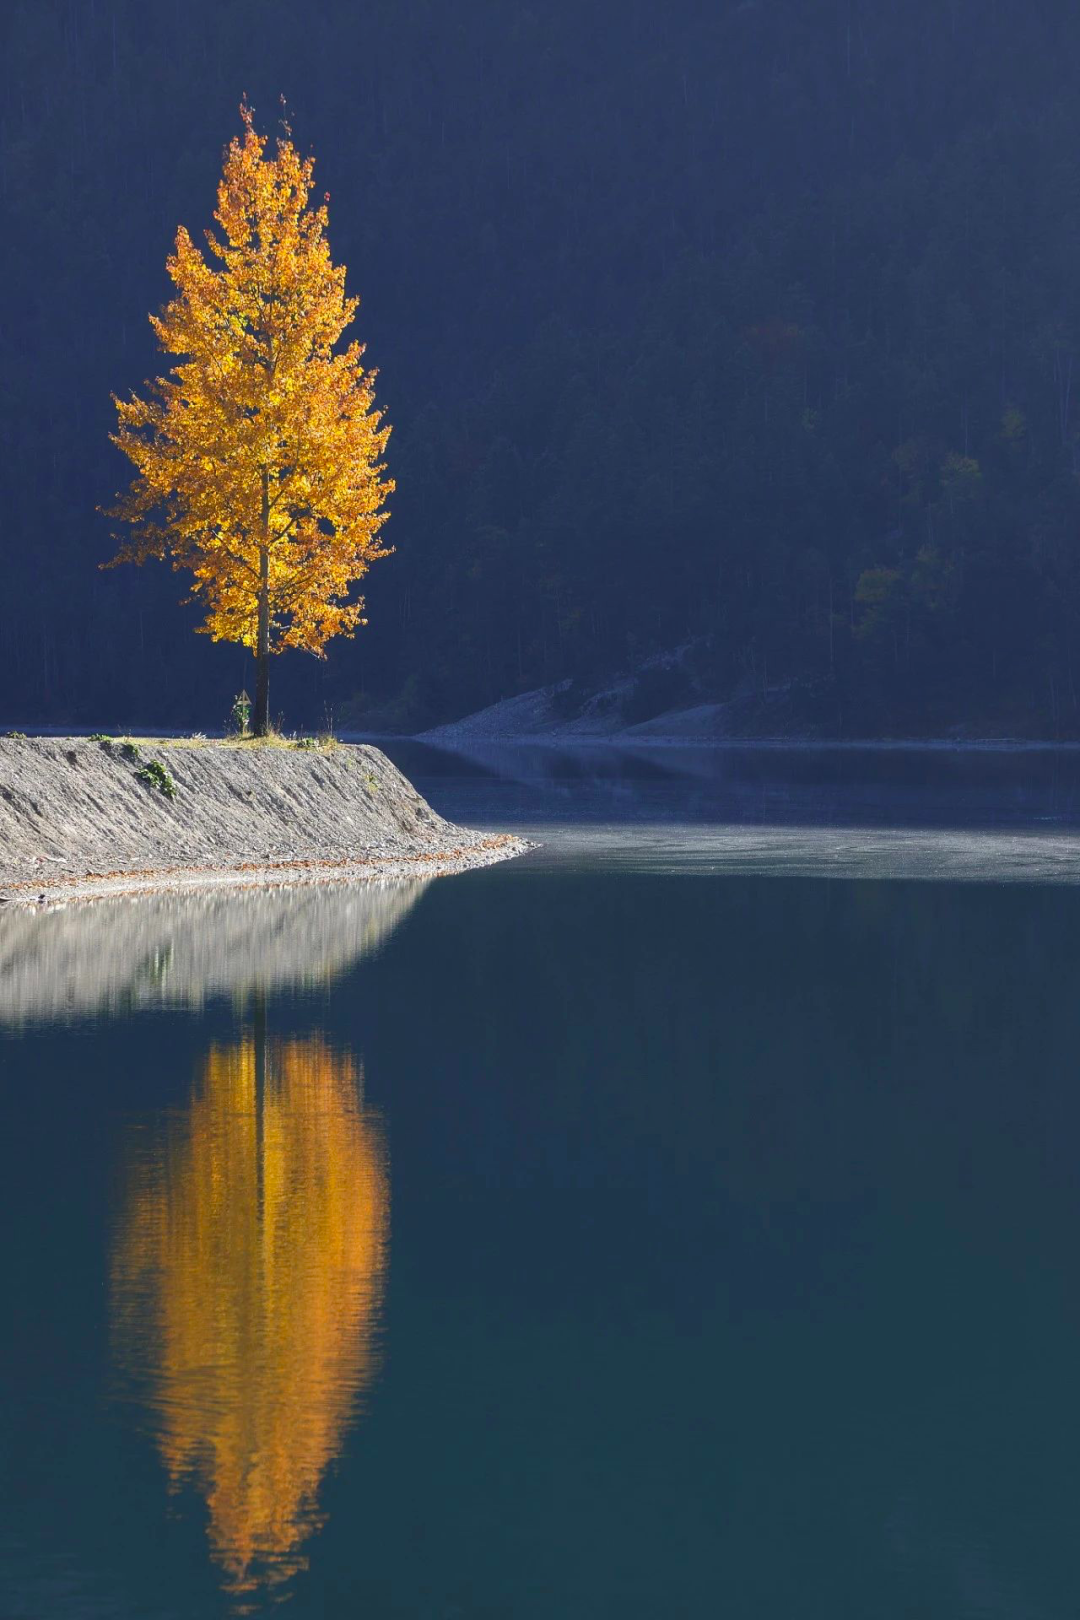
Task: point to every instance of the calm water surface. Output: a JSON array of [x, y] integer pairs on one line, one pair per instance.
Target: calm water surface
[[680, 1221]]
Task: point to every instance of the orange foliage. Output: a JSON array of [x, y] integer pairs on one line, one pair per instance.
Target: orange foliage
[[258, 459], [247, 1278]]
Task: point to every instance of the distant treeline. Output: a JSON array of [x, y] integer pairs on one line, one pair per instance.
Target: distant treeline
[[754, 325]]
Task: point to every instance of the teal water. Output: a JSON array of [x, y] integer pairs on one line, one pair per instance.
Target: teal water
[[679, 1221]]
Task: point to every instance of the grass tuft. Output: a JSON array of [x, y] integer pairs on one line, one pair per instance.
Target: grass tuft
[[324, 743]]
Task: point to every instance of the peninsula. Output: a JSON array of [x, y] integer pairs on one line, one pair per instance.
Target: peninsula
[[82, 817]]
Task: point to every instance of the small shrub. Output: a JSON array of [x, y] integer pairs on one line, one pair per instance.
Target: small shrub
[[240, 715], [156, 776], [100, 737], [130, 750], [16, 736], [307, 742]]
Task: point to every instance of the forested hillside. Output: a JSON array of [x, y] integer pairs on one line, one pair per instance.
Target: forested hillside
[[754, 326]]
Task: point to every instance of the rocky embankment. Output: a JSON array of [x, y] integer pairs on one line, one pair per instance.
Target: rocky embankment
[[82, 817]]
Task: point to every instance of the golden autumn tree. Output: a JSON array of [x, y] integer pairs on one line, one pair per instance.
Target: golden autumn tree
[[259, 458]]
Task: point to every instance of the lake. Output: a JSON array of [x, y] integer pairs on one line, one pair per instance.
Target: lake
[[679, 1221]]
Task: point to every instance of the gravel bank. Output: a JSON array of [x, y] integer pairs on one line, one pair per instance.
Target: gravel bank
[[79, 819]]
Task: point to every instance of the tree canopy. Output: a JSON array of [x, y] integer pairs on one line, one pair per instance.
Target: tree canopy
[[258, 459]]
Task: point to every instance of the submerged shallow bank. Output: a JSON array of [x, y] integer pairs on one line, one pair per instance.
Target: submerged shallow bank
[[81, 818]]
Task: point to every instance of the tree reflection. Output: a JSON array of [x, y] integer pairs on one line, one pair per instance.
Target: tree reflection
[[247, 1277]]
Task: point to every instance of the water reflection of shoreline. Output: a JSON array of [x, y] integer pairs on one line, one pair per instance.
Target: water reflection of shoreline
[[247, 1277], [182, 950]]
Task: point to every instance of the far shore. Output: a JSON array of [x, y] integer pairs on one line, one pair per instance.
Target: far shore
[[449, 739], [629, 743]]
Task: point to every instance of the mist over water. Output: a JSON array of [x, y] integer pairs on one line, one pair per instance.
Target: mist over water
[[678, 1220], [979, 815]]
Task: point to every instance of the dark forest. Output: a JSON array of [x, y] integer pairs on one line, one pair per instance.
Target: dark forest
[[747, 329]]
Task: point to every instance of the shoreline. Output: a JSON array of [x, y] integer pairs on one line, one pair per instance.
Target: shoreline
[[60, 889], [82, 818], [627, 742], [449, 740]]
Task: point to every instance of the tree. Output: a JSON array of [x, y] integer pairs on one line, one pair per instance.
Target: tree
[[258, 459]]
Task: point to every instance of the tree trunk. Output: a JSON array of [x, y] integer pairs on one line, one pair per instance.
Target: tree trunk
[[260, 725], [261, 721]]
